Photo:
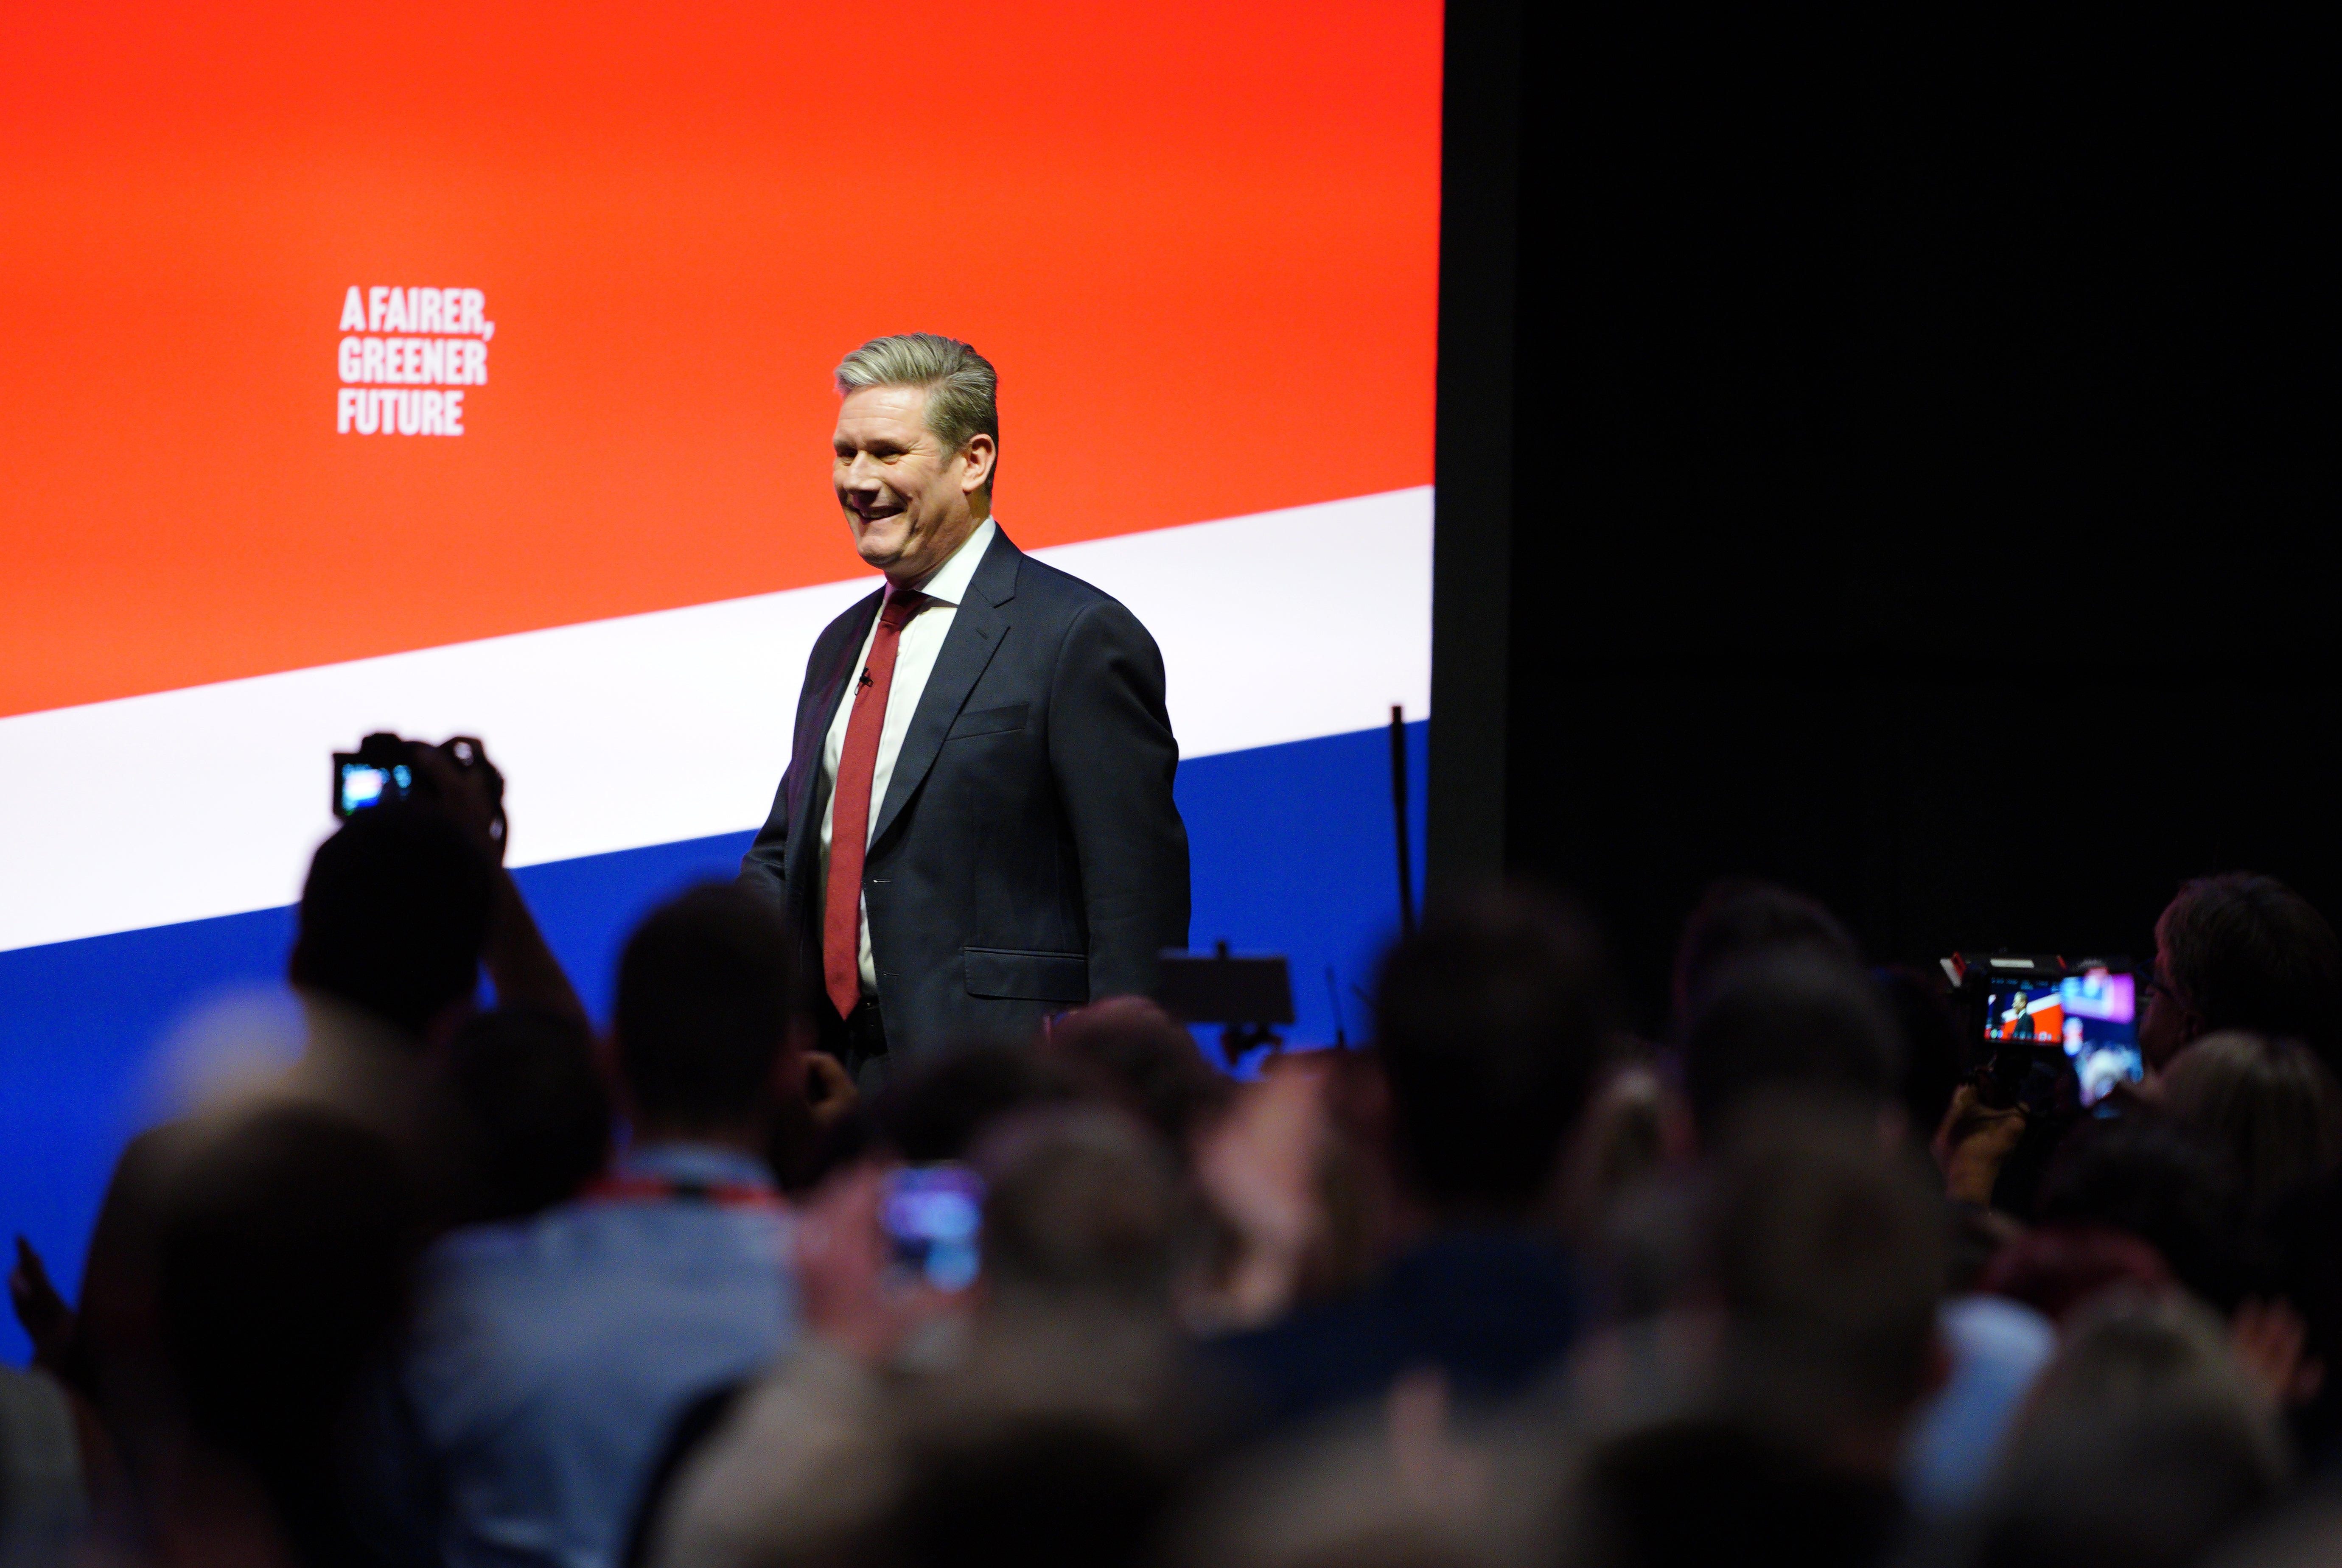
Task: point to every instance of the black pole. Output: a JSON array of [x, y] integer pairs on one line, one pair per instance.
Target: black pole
[[1398, 812], [1475, 449]]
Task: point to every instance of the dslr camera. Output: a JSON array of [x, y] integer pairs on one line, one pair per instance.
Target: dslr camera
[[384, 769]]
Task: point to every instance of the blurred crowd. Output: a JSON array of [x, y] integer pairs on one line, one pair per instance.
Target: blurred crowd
[[478, 1286]]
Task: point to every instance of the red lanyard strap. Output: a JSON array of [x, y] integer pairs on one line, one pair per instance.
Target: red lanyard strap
[[624, 1187]]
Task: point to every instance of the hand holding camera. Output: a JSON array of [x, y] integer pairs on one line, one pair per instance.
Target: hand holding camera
[[455, 776], [457, 779]]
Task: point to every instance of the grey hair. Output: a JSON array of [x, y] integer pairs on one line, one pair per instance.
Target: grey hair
[[960, 383]]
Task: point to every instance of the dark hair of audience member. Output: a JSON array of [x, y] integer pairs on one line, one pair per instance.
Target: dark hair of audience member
[[705, 1007], [281, 1270], [1491, 1023], [1387, 1486], [1738, 918], [2056, 1268], [2306, 1534], [1129, 1051], [940, 1108], [1789, 1020], [1827, 1250], [2142, 1446], [2273, 1107], [1081, 1199], [1699, 1489], [1934, 1053], [2245, 952], [1057, 1430], [530, 1110], [2160, 1183], [395, 915], [1026, 1486], [1064, 1437]]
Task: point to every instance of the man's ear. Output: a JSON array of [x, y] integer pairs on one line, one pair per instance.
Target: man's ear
[[979, 455]]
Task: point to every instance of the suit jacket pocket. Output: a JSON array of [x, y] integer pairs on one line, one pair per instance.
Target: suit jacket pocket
[[989, 722], [1027, 977]]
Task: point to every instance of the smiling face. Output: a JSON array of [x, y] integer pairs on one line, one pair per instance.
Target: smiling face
[[908, 502]]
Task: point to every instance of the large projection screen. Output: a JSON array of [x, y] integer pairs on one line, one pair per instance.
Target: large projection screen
[[466, 369]]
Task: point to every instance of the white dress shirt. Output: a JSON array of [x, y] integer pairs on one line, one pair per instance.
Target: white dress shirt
[[915, 652]]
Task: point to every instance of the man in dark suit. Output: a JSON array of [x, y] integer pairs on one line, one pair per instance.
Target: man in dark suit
[[975, 829]]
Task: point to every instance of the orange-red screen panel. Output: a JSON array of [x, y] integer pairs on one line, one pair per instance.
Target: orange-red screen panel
[[1199, 241]]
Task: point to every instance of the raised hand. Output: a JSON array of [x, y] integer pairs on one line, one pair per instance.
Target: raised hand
[[48, 1321]]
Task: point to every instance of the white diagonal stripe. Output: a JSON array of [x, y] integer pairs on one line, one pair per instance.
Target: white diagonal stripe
[[648, 729]]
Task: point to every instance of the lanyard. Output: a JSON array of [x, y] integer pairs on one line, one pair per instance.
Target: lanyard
[[618, 1187]]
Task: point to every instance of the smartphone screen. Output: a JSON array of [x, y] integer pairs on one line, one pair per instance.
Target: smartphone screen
[[933, 1219], [2091, 1017]]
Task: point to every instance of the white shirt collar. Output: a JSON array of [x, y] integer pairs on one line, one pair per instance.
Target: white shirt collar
[[949, 585]]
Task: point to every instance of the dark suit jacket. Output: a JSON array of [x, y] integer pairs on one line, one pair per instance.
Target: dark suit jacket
[[1028, 856]]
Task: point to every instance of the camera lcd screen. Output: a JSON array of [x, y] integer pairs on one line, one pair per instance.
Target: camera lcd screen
[[362, 785], [934, 1217], [2091, 1017]]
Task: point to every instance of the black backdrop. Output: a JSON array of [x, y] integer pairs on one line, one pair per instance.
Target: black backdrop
[[1920, 455]]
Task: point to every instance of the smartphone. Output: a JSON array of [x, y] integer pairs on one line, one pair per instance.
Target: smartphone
[[933, 1220], [2090, 1014]]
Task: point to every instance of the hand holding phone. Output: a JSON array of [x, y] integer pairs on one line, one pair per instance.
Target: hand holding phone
[[2085, 1013], [933, 1220], [48, 1321], [859, 1293], [1975, 1141]]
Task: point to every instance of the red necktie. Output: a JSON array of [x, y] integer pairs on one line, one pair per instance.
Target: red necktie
[[849, 822]]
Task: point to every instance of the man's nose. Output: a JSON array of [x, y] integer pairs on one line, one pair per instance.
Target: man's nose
[[862, 473]]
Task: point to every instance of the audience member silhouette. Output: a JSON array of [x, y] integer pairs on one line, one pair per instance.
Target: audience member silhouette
[[551, 1354], [1492, 1023], [2243, 952], [463, 1287]]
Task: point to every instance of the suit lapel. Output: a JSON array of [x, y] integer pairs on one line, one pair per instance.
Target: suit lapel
[[976, 630], [815, 718]]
